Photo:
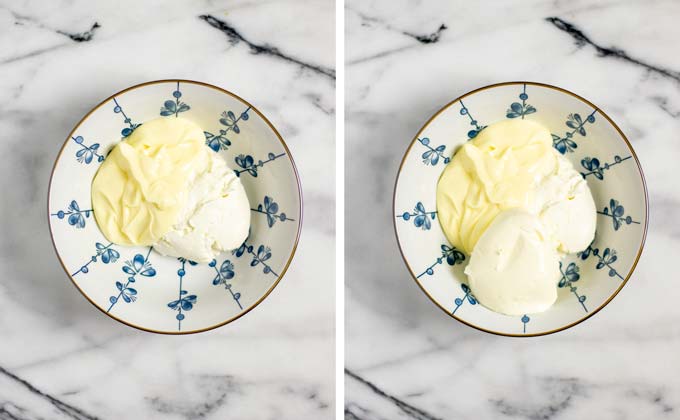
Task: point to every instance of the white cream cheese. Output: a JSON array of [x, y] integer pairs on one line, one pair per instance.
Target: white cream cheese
[[215, 216], [513, 269], [565, 205]]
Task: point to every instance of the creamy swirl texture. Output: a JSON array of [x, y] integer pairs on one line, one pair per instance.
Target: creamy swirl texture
[[142, 185], [162, 186], [509, 200]]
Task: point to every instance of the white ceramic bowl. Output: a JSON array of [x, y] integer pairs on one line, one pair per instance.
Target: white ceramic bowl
[[596, 147], [140, 287]]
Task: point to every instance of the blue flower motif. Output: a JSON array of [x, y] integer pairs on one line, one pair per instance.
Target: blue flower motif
[[229, 119], [616, 212], [107, 254], [139, 265], [473, 122], [76, 216], [432, 155], [171, 107], [263, 254], [567, 144], [127, 293], [127, 120], [563, 145], [86, 153], [574, 121], [606, 259], [467, 297], [219, 141], [449, 254], [592, 165], [260, 257], [223, 277], [520, 110], [225, 273], [570, 276], [421, 217], [453, 256], [271, 209], [248, 163], [184, 302]]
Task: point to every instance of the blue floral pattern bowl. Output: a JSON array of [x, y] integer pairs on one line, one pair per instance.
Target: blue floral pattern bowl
[[142, 288], [583, 134]]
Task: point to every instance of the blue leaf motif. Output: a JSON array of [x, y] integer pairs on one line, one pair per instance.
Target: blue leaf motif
[[77, 220], [239, 251], [76, 216], [138, 265], [227, 270], [453, 256], [270, 208], [170, 106], [149, 272], [571, 274], [421, 218], [433, 155], [138, 262], [108, 255], [517, 109], [576, 123], [188, 302], [174, 106], [217, 142], [616, 212], [246, 162], [593, 166], [223, 275]]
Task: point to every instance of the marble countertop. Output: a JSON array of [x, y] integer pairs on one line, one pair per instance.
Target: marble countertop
[[407, 359], [60, 358]]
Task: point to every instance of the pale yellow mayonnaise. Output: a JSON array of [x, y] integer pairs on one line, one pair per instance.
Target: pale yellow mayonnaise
[[142, 185], [495, 171]]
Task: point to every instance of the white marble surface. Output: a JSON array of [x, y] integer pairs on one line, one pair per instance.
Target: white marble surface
[[60, 358], [407, 359]]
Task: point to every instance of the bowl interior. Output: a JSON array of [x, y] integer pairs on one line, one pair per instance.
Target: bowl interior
[[596, 147], [163, 294]]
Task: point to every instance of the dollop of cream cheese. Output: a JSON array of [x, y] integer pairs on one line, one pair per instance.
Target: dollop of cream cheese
[[215, 217], [511, 167], [163, 187], [513, 269]]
